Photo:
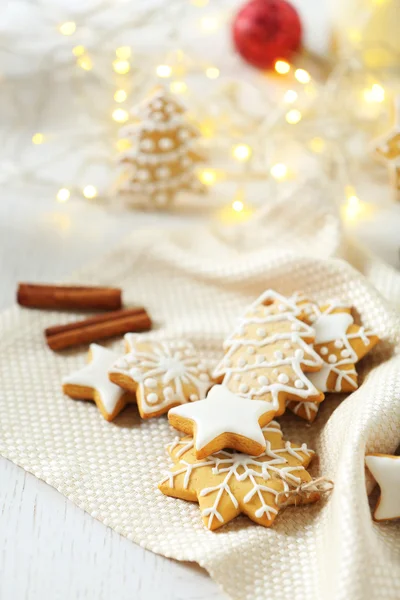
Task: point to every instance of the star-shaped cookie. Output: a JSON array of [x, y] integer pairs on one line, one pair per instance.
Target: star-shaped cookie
[[92, 383], [161, 374], [386, 471], [223, 420], [228, 483]]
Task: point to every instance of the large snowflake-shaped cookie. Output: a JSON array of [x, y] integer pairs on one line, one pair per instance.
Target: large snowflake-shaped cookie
[[340, 343], [229, 483], [162, 374]]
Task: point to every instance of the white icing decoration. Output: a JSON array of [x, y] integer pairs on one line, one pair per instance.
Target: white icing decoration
[[386, 471], [261, 332], [278, 354], [262, 379], [150, 382], [332, 358], [163, 172], [338, 344], [152, 398], [324, 350], [330, 327], [243, 467], [287, 345], [283, 378], [345, 353], [243, 388], [250, 350], [298, 384], [193, 397], [165, 143], [242, 362], [95, 376]]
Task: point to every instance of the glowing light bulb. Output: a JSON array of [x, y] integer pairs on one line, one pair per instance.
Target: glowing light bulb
[[78, 50], [120, 96], [209, 23], [120, 115], [67, 28], [293, 116], [317, 145], [237, 205], [279, 171], [282, 67], [212, 72], [121, 66], [90, 192], [290, 97], [164, 71], [123, 144], [38, 138], [208, 176], [241, 152], [374, 94], [63, 195], [352, 208], [85, 63], [302, 76], [124, 52], [178, 87]]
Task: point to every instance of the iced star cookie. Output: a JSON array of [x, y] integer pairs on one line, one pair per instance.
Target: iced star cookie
[[223, 420], [162, 374], [269, 353], [340, 343], [386, 471], [92, 383], [228, 483]]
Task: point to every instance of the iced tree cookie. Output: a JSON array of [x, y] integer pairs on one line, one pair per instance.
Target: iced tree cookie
[[386, 471], [92, 383], [161, 374], [269, 353], [340, 343], [228, 483]]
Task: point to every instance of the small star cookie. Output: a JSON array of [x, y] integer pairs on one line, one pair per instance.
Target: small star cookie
[[92, 383], [269, 352], [340, 343], [162, 374], [386, 471], [223, 420], [229, 483]]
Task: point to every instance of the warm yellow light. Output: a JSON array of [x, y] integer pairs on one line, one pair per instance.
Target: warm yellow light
[[178, 87], [354, 35], [374, 94], [89, 191], [352, 208], [199, 3], [63, 194], [237, 205], [282, 67], [207, 128], [208, 176], [121, 66], [124, 52], [38, 138], [120, 96], [241, 152], [67, 28], [120, 115], [302, 76], [290, 97], [85, 63], [317, 145], [123, 144], [78, 50], [209, 23], [279, 171], [212, 72], [164, 71], [293, 116]]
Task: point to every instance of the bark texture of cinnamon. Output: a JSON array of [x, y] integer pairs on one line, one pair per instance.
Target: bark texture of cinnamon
[[97, 328], [69, 297]]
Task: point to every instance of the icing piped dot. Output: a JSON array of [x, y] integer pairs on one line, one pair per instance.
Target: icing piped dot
[[275, 372], [262, 380], [332, 358], [283, 378], [338, 344], [242, 362], [250, 350], [345, 353], [299, 384], [152, 398], [260, 359], [193, 397], [237, 377], [278, 354], [244, 388], [324, 350], [150, 382], [168, 392], [261, 332], [287, 345], [204, 377]]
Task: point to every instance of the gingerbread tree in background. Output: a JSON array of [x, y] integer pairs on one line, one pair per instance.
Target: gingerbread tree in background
[[161, 160]]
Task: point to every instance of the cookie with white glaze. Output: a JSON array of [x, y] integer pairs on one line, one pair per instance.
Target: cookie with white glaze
[[385, 469]]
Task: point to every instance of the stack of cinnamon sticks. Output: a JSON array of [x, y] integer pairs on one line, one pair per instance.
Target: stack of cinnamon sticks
[[116, 322]]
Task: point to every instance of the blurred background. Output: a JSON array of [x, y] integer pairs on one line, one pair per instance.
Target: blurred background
[[285, 100]]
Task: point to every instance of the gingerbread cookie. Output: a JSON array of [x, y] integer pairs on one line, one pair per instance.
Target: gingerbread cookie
[[269, 352], [228, 483], [386, 471], [162, 374], [223, 420], [92, 383], [340, 343]]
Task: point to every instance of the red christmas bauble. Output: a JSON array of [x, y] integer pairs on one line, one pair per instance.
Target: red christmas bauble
[[265, 31]]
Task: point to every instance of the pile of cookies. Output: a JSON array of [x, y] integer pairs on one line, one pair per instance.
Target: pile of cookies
[[285, 353]]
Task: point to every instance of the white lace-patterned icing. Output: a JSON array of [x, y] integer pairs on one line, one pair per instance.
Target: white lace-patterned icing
[[95, 375], [386, 472], [224, 412]]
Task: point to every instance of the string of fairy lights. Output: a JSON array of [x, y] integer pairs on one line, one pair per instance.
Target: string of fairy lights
[[323, 115]]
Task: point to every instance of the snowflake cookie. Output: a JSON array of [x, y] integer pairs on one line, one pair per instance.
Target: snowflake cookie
[[269, 352], [229, 483], [386, 471], [92, 383], [340, 343], [162, 374]]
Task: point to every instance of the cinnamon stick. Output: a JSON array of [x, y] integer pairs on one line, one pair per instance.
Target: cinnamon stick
[[69, 297], [96, 328]]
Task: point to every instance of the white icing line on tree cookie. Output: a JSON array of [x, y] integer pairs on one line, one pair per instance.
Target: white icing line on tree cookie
[[224, 412], [95, 375], [244, 467], [386, 471]]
